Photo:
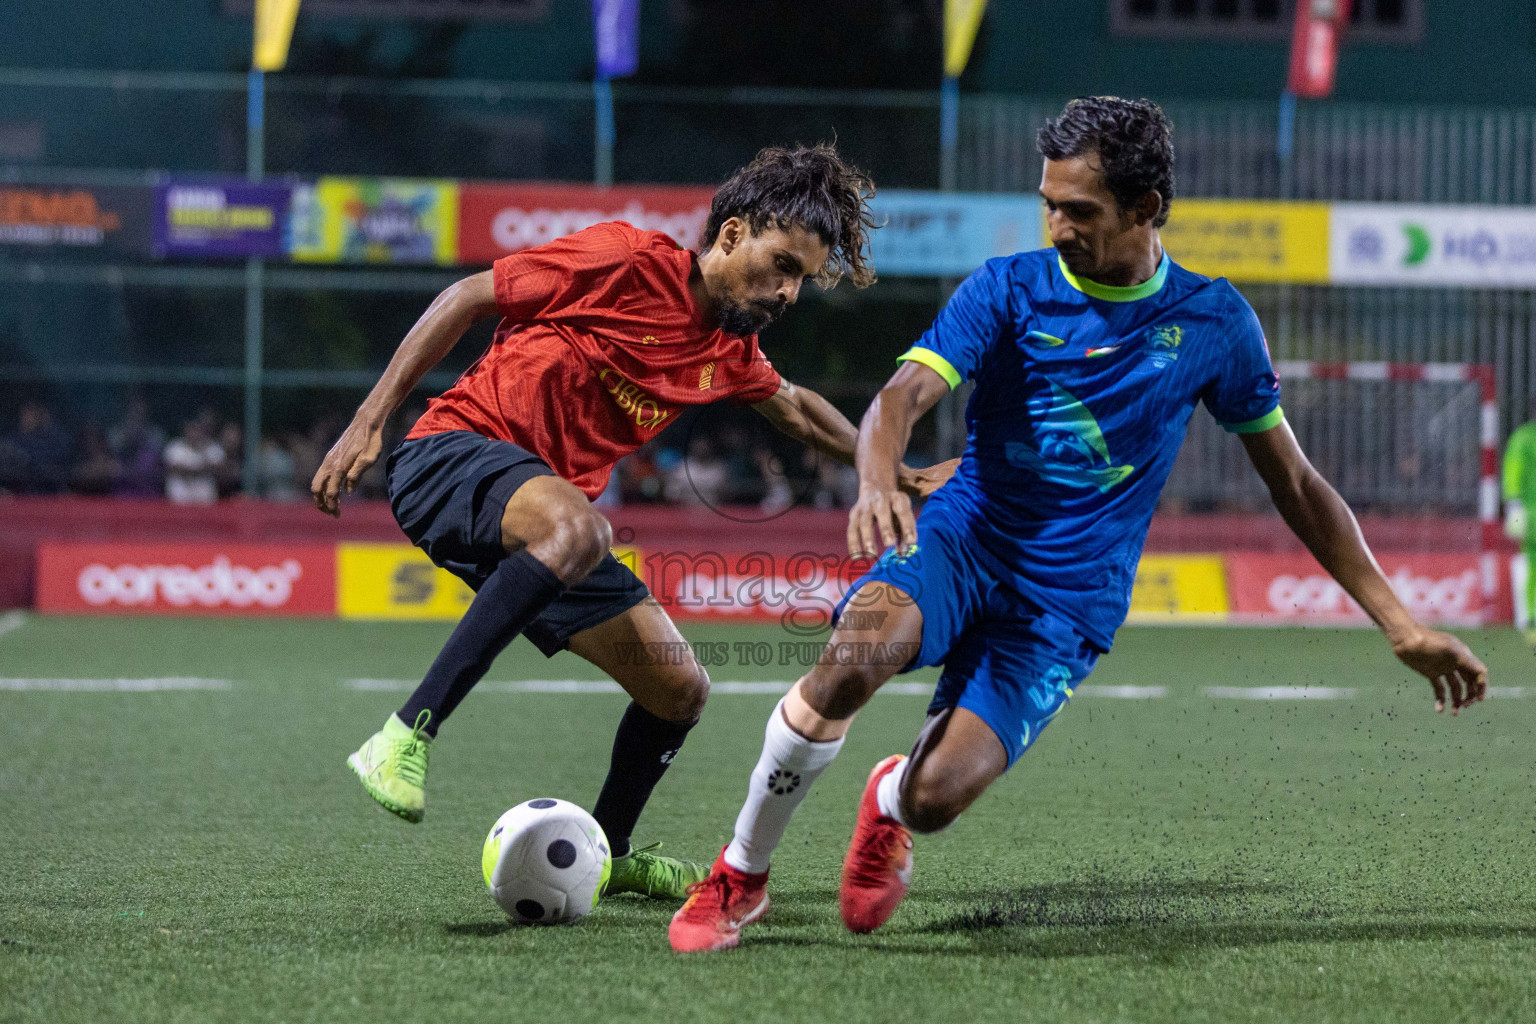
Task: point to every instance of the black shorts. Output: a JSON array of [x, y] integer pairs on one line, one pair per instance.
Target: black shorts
[[449, 491]]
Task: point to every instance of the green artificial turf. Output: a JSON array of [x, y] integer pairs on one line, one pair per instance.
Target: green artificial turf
[[206, 856]]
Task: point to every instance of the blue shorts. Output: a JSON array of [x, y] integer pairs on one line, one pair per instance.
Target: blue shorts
[[1006, 660], [449, 491]]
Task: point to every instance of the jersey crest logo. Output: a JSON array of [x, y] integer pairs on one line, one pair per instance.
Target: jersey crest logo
[[649, 339], [1164, 344], [1069, 448], [707, 377]]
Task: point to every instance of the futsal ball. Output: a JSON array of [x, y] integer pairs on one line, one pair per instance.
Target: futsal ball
[[546, 861]]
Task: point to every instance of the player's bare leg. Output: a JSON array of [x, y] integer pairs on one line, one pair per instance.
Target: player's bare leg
[[643, 651], [804, 733]]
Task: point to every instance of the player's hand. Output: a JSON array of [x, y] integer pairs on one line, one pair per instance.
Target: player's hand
[[1515, 520], [1456, 674], [879, 519], [919, 483], [344, 465]]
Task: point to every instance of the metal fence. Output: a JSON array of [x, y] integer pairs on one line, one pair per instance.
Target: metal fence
[[105, 126]]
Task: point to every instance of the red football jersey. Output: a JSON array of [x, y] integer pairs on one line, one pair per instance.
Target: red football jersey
[[600, 345]]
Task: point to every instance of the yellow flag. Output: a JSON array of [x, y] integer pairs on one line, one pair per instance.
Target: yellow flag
[[274, 30], [961, 20]]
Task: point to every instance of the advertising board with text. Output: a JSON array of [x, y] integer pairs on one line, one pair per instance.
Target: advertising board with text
[[99, 218], [1250, 241], [221, 219], [1408, 244], [948, 234], [497, 219], [187, 579], [1451, 589]]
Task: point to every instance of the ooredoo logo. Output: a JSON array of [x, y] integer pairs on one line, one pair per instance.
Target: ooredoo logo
[[220, 583], [514, 228], [1425, 596]]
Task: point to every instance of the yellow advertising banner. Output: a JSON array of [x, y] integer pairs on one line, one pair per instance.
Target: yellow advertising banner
[[1179, 588], [398, 582], [376, 220], [1250, 241]]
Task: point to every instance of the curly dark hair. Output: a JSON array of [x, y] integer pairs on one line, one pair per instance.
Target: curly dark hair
[[1134, 141], [809, 187]]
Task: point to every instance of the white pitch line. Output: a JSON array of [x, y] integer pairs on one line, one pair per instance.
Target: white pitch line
[[1506, 691], [602, 686], [114, 685], [1281, 692], [11, 621], [1122, 692]]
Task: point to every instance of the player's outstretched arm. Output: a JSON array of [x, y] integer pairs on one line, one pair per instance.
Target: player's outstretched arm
[[453, 312], [806, 416], [1316, 514], [882, 516]]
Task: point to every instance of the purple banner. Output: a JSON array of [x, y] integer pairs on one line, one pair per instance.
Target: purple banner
[[618, 37], [221, 219]]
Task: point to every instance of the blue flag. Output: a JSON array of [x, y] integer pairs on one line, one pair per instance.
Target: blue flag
[[618, 37]]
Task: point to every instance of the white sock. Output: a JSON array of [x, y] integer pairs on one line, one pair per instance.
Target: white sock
[[790, 763], [888, 791]]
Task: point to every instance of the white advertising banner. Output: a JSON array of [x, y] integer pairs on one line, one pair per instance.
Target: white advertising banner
[[1410, 244]]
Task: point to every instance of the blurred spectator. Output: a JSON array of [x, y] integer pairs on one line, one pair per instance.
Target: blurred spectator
[[129, 435], [136, 444], [700, 478], [777, 494], [36, 458], [227, 473], [97, 472], [836, 485], [192, 463], [274, 473]]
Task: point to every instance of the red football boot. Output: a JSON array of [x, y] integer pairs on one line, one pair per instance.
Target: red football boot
[[717, 908], [878, 867]]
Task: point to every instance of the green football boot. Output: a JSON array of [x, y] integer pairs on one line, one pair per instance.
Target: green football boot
[[393, 766], [643, 871]]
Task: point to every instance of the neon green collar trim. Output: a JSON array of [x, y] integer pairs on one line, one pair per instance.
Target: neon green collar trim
[[1112, 293]]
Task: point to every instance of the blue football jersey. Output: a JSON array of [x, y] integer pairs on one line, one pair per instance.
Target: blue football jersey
[[1083, 394]]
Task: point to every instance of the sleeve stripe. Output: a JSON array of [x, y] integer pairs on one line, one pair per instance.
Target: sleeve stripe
[[1268, 421], [935, 362]]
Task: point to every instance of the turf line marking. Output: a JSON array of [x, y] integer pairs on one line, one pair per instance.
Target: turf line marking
[[114, 685], [11, 621], [1122, 692], [1506, 691], [603, 686], [1281, 692]]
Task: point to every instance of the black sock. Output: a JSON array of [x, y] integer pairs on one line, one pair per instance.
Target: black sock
[[513, 596], [642, 749]]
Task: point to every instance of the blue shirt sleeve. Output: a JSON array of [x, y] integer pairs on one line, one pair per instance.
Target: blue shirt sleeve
[[1245, 396], [967, 327]]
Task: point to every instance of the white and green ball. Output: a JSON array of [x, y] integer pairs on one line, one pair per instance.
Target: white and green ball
[[546, 861]]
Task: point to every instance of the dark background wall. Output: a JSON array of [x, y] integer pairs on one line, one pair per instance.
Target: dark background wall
[[1044, 47]]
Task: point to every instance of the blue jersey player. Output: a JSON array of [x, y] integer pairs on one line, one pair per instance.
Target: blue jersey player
[[1089, 359]]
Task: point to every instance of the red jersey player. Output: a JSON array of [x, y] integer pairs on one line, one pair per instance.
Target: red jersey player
[[605, 336]]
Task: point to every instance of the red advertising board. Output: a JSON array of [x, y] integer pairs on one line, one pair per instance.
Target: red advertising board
[[1456, 589], [798, 590], [496, 219], [187, 579]]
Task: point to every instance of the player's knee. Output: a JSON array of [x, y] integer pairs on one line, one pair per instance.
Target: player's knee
[[838, 692], [577, 539], [690, 696]]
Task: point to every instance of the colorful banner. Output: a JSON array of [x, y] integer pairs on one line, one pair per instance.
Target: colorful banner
[[113, 218], [376, 220], [616, 25], [1408, 244], [221, 219], [1445, 589], [1315, 39], [1179, 589], [949, 234], [187, 579], [1250, 241], [496, 219]]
